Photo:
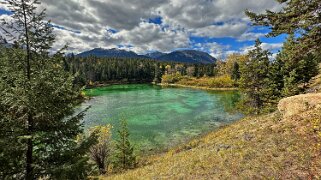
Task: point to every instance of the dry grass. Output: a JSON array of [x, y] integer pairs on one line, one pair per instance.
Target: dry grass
[[263, 147]]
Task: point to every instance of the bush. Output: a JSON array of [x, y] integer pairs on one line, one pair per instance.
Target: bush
[[214, 82], [171, 78]]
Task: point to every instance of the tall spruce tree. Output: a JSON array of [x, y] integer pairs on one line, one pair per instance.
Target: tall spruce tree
[[297, 69], [125, 158], [37, 98], [236, 71], [275, 80], [254, 80]]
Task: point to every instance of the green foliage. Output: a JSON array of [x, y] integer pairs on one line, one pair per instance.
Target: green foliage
[[296, 17], [109, 70], [236, 74], [125, 158], [158, 73], [171, 78], [290, 84], [297, 70], [37, 99], [254, 80], [298, 61]]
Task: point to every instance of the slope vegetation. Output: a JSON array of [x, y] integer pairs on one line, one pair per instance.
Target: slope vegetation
[[282, 145]]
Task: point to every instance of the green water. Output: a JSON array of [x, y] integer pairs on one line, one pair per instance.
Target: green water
[[159, 117]]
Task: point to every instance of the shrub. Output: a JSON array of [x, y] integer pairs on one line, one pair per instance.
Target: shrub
[[171, 78]]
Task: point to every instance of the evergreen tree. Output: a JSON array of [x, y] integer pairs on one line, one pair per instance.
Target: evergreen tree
[[276, 80], [236, 71], [158, 73], [37, 98], [297, 69], [125, 158], [300, 53], [254, 80], [290, 84], [308, 68], [296, 17]]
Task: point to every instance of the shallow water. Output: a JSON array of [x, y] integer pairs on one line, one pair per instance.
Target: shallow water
[[160, 117]]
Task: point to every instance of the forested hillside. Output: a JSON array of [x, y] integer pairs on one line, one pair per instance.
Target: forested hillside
[[104, 70]]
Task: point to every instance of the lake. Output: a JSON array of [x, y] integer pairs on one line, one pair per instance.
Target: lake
[[160, 117]]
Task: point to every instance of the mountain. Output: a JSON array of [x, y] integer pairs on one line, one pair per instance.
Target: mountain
[[188, 56], [115, 53], [182, 56], [155, 55]]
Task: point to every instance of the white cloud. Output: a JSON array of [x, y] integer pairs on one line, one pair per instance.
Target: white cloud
[[181, 19], [151, 37], [265, 46], [250, 36], [214, 49], [225, 30]]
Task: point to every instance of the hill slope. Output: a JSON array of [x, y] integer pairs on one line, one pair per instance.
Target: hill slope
[[263, 147], [184, 56], [116, 53], [189, 56]]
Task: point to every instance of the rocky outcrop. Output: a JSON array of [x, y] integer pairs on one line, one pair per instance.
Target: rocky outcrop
[[297, 104]]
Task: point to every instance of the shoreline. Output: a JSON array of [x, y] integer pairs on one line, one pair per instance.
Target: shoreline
[[198, 87], [105, 84]]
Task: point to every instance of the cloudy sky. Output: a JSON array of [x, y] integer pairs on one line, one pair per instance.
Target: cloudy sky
[[218, 27]]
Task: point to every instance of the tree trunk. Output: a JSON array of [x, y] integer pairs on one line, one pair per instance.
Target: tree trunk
[[29, 153]]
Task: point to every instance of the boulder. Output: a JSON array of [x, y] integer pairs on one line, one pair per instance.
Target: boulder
[[297, 104]]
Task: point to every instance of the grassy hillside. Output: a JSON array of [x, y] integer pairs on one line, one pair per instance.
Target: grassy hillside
[[270, 146]]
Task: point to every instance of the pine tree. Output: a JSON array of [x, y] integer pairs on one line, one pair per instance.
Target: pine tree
[[276, 80], [297, 69], [254, 80], [158, 73], [290, 84], [300, 53], [296, 17], [37, 98], [236, 71], [125, 158]]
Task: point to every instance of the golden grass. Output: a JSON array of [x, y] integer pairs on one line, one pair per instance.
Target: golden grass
[[262, 147]]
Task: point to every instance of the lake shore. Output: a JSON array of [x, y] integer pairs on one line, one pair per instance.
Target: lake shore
[[111, 83], [249, 148], [197, 87]]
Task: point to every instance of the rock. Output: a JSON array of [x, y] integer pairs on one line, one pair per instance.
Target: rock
[[297, 104], [248, 137], [223, 147]]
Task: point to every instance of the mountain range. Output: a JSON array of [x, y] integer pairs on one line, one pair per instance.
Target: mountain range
[[182, 56]]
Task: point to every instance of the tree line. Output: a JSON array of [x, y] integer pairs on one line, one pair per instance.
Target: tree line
[[92, 69]]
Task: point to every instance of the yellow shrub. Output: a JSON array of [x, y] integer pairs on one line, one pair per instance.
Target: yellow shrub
[[171, 78], [213, 82]]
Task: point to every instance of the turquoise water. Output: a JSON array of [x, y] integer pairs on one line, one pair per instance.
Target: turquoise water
[[160, 117]]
